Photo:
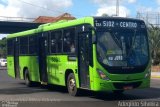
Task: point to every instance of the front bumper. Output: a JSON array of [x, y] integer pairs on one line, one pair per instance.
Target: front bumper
[[104, 85]]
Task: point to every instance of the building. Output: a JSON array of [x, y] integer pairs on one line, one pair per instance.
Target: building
[[46, 19]]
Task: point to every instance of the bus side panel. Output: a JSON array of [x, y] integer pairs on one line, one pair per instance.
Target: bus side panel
[[34, 68], [52, 67], [57, 65], [66, 64], [10, 66], [31, 62], [92, 70]]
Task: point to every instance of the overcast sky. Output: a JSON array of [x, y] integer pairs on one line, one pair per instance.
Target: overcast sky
[[78, 8]]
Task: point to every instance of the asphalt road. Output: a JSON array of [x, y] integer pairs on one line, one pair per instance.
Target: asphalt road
[[13, 92]]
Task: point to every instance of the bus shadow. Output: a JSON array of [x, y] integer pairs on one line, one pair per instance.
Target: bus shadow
[[57, 88], [52, 88], [36, 88], [137, 94], [151, 93]]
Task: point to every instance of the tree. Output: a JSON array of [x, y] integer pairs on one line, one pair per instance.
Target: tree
[[105, 15], [3, 48], [154, 38]]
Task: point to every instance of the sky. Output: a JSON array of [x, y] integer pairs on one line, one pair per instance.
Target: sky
[[77, 8]]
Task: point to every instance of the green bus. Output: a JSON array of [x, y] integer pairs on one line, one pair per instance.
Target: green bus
[[93, 53]]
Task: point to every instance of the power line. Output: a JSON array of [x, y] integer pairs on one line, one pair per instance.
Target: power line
[[34, 5]]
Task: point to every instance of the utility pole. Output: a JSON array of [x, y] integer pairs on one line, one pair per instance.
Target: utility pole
[[117, 8]]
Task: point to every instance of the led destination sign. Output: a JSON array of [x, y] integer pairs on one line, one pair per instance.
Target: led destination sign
[[118, 24]]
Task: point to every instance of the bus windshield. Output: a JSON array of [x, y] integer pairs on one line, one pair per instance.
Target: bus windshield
[[125, 47]]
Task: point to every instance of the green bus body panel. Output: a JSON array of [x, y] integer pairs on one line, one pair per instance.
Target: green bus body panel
[[30, 62], [104, 85], [10, 66], [56, 69], [98, 84]]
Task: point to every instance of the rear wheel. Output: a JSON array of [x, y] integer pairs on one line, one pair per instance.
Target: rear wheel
[[71, 85], [27, 79]]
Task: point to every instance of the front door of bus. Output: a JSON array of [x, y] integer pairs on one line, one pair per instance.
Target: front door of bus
[[43, 49], [83, 56], [16, 58]]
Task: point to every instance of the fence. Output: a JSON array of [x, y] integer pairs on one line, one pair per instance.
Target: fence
[[150, 18]]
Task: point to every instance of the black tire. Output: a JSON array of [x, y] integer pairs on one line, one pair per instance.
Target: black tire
[[27, 78], [118, 91], [71, 85]]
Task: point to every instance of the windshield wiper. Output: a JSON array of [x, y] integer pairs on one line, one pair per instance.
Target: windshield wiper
[[131, 47], [117, 41]]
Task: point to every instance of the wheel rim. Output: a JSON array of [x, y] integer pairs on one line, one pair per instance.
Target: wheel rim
[[72, 84]]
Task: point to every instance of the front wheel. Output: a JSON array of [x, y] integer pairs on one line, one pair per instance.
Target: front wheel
[[71, 85]]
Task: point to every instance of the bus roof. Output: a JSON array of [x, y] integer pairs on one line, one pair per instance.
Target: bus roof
[[52, 26]]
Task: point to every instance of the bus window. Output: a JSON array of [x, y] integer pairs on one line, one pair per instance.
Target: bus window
[[33, 44], [24, 45], [56, 42], [10, 47], [72, 48], [69, 41]]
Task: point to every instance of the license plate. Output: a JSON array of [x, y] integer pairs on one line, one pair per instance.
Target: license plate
[[127, 87]]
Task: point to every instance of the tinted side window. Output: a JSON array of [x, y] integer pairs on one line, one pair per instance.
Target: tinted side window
[[33, 44], [10, 47], [24, 45], [56, 42], [69, 41]]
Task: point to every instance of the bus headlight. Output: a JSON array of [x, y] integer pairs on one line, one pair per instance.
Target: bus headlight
[[102, 75]]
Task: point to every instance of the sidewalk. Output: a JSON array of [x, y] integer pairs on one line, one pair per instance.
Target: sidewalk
[[155, 75]]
